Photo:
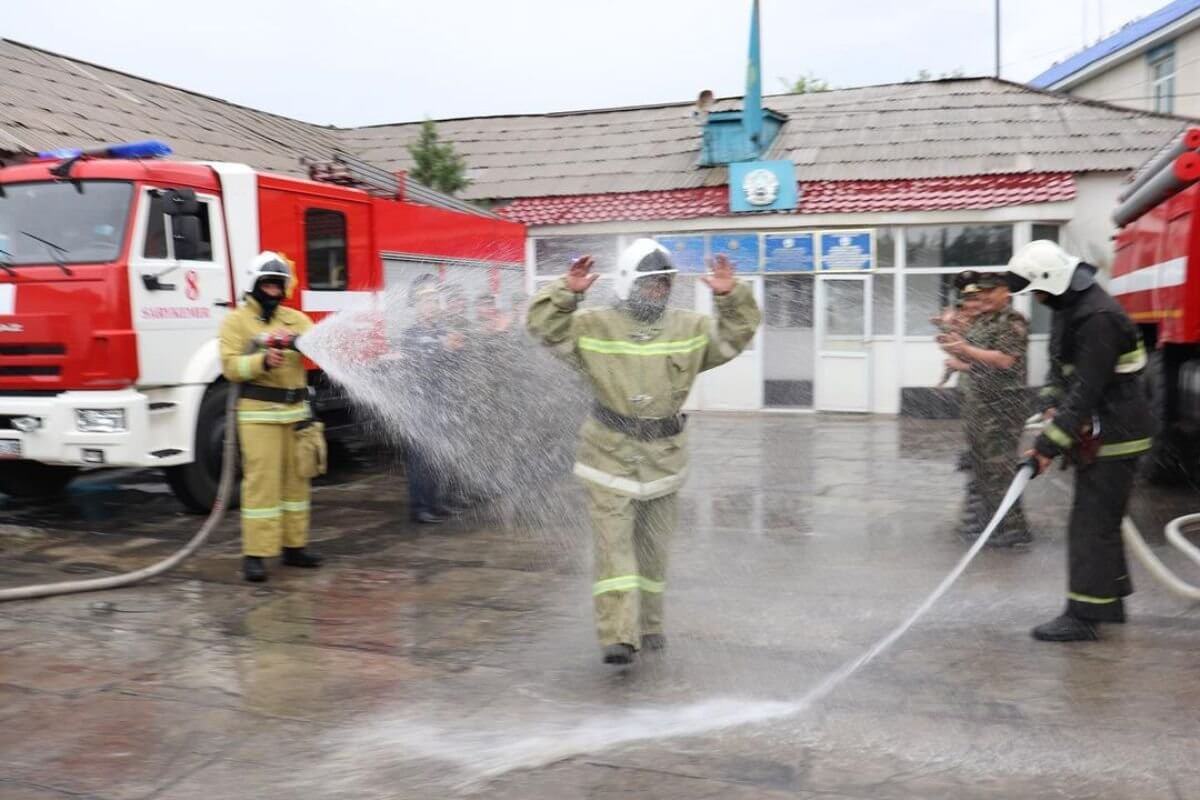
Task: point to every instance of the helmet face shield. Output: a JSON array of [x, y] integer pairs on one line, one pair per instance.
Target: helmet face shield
[[643, 260], [1016, 284]]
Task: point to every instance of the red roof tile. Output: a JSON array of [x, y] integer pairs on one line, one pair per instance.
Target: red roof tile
[[819, 197]]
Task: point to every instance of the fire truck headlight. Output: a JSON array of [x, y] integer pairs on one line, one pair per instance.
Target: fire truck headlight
[[100, 420]]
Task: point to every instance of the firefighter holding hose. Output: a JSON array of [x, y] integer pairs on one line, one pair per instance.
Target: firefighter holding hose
[[1099, 419], [257, 352], [641, 359]]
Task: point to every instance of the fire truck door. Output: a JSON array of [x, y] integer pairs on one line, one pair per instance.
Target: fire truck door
[[187, 297]]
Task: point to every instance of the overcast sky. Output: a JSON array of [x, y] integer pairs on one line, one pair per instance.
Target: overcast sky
[[355, 62]]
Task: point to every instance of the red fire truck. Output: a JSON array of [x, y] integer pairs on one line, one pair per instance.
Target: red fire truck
[[117, 269], [1156, 277]]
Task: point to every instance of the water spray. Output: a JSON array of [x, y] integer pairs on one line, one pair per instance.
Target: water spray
[[505, 753]]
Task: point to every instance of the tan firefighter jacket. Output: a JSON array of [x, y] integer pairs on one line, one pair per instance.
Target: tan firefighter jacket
[[241, 363], [643, 370]]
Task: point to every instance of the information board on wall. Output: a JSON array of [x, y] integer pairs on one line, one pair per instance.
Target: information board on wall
[[789, 252], [686, 251], [740, 248], [847, 250]]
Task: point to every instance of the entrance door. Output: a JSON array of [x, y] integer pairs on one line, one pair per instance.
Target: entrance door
[[736, 385], [843, 380]]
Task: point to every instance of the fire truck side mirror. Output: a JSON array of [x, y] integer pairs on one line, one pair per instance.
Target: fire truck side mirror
[[180, 202], [185, 231]]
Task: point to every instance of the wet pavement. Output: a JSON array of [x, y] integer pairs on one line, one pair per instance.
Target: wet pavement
[[429, 662]]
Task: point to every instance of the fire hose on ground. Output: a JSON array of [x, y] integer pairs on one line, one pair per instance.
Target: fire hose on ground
[[224, 488], [220, 506]]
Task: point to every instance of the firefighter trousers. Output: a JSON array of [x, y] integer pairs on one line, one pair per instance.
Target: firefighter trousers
[[1098, 574], [631, 539], [275, 499]]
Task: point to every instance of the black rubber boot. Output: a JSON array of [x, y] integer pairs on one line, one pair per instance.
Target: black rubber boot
[[618, 654], [1066, 628], [299, 557], [253, 569], [1012, 537], [654, 641]]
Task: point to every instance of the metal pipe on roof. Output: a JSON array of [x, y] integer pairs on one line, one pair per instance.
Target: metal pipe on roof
[[1183, 172], [1188, 140]]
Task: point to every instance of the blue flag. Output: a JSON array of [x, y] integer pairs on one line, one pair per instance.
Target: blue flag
[[752, 112]]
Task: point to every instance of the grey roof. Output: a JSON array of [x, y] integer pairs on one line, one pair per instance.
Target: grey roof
[[972, 126], [49, 101]]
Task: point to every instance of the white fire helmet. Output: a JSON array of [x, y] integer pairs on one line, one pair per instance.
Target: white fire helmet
[[269, 264], [642, 259], [1041, 266]]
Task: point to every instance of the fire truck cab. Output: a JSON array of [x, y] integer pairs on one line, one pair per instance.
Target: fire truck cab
[[115, 274]]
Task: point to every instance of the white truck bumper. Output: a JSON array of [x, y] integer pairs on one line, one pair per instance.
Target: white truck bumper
[[159, 426]]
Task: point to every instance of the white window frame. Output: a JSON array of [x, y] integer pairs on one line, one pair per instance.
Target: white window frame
[[1163, 70]]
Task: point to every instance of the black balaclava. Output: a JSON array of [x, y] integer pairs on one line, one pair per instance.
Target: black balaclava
[[268, 303], [641, 307]]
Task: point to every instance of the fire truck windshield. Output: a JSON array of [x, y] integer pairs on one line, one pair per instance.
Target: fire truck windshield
[[67, 222]]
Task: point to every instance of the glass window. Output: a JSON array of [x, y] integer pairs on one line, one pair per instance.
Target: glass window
[[926, 296], [883, 305], [789, 301], [156, 230], [1040, 317], [554, 254], [76, 222], [885, 248], [325, 249], [958, 246], [1162, 78], [1045, 230]]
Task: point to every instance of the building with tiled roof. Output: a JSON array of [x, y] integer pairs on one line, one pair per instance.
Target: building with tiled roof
[[898, 187]]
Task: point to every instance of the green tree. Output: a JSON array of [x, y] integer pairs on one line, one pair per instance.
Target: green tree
[[435, 164], [926, 75], [805, 84]]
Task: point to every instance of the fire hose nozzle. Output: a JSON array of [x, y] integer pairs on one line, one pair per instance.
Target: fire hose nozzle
[[275, 340]]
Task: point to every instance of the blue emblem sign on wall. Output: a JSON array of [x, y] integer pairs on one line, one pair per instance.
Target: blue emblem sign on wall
[[844, 250], [741, 249], [790, 252], [686, 251], [762, 186]]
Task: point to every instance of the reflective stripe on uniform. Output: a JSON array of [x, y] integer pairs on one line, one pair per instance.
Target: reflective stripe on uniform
[[294, 506], [1068, 370], [1130, 448], [282, 415], [624, 348], [627, 486], [245, 369], [1133, 361], [1050, 391], [274, 512], [1057, 435], [627, 583], [1087, 598]]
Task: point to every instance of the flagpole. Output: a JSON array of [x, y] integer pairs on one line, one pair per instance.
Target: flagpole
[[997, 27]]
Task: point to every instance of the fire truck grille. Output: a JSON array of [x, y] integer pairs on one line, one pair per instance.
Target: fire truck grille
[[29, 370], [32, 350]]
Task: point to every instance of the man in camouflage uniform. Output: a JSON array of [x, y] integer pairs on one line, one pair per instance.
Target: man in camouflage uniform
[[992, 355]]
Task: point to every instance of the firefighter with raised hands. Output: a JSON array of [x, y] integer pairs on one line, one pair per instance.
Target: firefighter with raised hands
[[272, 410], [1099, 416], [641, 359]]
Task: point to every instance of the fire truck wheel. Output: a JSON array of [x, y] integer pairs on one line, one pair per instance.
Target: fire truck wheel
[[195, 484], [33, 480], [1167, 463]]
